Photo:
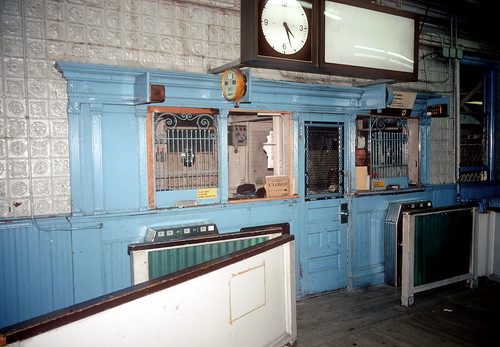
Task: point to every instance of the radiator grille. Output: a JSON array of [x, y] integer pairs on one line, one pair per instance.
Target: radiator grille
[[167, 261], [186, 154], [442, 245]]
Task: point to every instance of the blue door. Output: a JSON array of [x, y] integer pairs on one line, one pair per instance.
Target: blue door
[[323, 232]]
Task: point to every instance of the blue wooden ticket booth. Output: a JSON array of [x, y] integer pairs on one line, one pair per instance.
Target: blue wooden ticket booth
[[309, 155]]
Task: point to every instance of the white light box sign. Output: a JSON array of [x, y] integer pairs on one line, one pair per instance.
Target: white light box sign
[[370, 41]]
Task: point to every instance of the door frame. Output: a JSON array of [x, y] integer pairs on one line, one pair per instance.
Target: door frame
[[309, 284]]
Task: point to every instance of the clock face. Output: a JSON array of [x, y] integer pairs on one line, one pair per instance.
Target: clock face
[[285, 26]]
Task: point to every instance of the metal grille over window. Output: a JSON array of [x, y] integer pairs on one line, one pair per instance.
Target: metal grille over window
[[389, 147], [186, 155], [473, 154], [324, 162]]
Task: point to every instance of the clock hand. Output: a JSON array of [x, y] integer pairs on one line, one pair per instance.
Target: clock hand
[[288, 33]]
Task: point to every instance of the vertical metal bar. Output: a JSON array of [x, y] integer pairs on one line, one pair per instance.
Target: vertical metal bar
[[164, 167], [160, 152], [377, 154], [393, 157], [171, 156], [395, 151], [200, 160], [188, 139], [171, 159], [161, 172], [213, 156], [165, 157], [178, 163], [397, 154], [381, 154], [404, 161], [192, 169], [203, 153], [387, 152], [208, 153], [208, 156], [404, 156], [195, 171], [187, 182], [390, 162], [183, 143], [400, 150], [185, 173], [386, 139]]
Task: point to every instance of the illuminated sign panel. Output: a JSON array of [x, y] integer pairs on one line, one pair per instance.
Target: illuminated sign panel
[[371, 39], [362, 39]]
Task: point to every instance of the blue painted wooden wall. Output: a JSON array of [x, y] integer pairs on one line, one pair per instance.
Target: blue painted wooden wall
[[50, 263]]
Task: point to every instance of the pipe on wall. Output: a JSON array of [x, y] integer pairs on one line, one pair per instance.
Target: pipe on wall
[[456, 92]]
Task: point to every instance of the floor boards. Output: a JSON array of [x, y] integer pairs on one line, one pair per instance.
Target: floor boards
[[449, 316]]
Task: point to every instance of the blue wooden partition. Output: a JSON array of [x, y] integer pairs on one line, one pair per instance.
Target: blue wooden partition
[[50, 263]]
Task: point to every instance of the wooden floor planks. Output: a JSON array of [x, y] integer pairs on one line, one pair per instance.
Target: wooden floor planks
[[449, 316]]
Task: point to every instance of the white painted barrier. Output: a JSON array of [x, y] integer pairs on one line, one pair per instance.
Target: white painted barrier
[[247, 299]]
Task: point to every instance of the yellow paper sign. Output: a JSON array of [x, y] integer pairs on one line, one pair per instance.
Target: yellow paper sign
[[378, 184], [207, 193]]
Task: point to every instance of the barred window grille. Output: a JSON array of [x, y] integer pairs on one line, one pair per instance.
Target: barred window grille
[[186, 155], [389, 147], [478, 138], [473, 149]]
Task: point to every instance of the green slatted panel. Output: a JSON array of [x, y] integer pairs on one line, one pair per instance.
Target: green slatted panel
[[166, 261], [442, 246]]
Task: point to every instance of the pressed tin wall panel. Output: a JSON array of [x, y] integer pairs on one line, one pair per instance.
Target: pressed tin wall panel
[[34, 155]]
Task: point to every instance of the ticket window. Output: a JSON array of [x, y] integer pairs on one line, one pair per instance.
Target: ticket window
[[259, 152], [387, 156]]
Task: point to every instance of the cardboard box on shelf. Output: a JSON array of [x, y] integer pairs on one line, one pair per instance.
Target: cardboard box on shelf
[[362, 178]]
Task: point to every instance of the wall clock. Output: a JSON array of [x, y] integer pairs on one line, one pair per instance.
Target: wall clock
[[279, 34], [285, 28]]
